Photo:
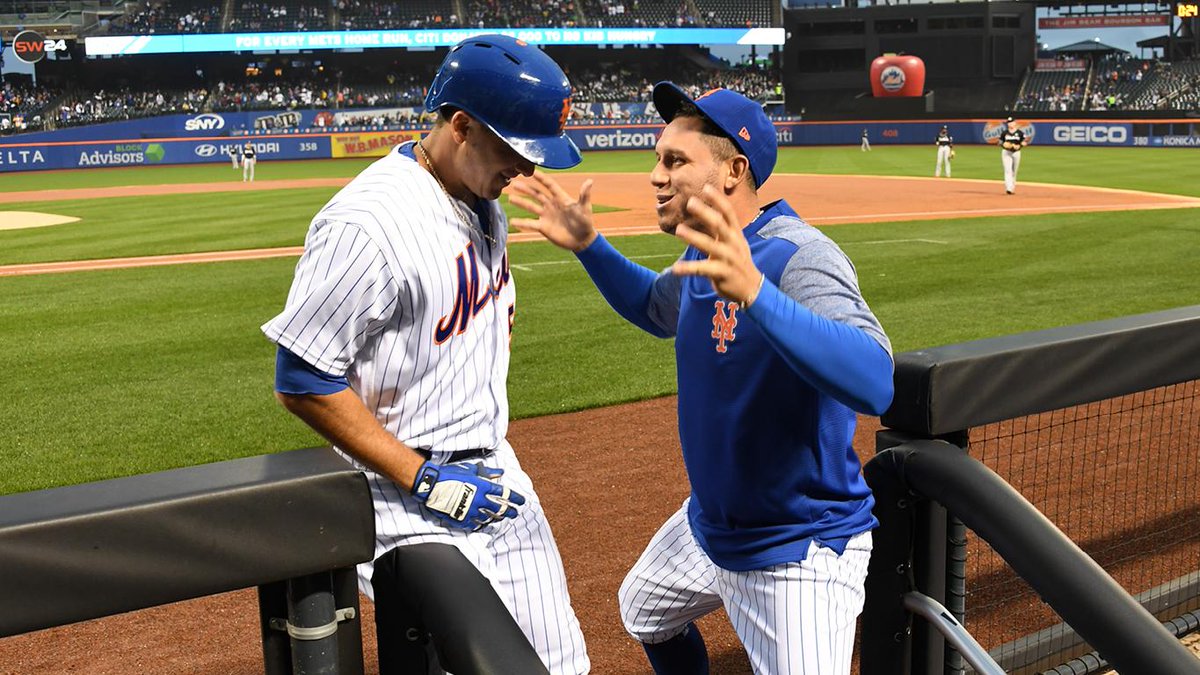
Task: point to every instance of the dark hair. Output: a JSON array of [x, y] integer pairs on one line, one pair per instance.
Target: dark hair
[[446, 112], [719, 142]]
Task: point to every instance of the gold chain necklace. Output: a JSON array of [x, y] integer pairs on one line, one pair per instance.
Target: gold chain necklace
[[453, 201]]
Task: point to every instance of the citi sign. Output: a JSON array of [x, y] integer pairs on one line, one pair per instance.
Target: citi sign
[[205, 122], [1090, 133]]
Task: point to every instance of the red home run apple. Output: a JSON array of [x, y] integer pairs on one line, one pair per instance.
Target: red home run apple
[[897, 75]]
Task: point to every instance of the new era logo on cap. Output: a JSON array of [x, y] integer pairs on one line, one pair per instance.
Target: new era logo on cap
[[740, 118]]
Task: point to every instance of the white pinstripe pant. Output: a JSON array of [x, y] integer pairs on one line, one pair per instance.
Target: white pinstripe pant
[[519, 557], [793, 619]]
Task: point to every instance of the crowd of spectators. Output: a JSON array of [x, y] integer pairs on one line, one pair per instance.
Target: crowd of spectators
[[382, 14], [122, 104], [177, 16], [1173, 86], [1053, 90], [255, 16], [403, 90], [541, 13], [639, 13], [1115, 82], [163, 17], [602, 84], [21, 107]]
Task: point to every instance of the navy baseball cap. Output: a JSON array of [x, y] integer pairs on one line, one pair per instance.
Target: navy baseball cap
[[740, 118]]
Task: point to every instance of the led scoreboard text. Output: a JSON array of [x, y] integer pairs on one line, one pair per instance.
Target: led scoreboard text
[[1187, 10]]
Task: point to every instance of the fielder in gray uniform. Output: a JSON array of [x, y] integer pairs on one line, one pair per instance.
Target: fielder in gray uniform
[[1011, 142], [945, 151]]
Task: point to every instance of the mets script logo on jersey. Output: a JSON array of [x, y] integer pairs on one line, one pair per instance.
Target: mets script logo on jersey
[[470, 299], [723, 324]]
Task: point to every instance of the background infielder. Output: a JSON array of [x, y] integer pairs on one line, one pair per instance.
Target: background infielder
[[394, 343], [775, 350], [1012, 140], [249, 160], [945, 151]]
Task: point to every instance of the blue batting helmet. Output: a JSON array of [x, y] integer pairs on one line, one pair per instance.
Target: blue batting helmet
[[514, 88]]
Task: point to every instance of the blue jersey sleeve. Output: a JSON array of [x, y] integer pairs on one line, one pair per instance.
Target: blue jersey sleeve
[[294, 375], [646, 299], [840, 360]]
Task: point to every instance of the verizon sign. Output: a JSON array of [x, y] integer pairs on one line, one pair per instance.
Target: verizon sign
[[1105, 21]]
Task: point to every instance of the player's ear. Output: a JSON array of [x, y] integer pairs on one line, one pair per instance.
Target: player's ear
[[739, 171], [460, 123]]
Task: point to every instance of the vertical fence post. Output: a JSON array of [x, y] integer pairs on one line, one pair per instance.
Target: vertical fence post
[[277, 648], [312, 624], [350, 644]]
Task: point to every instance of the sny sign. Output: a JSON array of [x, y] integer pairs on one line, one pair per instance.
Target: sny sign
[[30, 47]]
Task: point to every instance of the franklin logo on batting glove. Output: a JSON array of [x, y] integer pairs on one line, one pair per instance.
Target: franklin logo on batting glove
[[466, 496]]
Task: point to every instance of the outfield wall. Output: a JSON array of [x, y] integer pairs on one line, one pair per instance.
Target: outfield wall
[[210, 137]]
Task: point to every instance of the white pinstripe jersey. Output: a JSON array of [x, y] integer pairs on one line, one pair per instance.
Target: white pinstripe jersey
[[410, 303]]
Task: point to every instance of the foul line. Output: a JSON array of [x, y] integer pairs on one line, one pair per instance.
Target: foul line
[[148, 261]]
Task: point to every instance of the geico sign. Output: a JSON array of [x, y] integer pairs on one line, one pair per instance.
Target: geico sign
[[1087, 133]]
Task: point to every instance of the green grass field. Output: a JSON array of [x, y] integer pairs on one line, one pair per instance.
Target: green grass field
[[129, 371]]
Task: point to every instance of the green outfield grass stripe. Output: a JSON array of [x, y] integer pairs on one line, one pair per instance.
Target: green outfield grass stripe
[[128, 371]]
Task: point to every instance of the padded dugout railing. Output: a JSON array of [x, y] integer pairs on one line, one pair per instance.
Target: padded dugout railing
[[294, 524], [946, 391]]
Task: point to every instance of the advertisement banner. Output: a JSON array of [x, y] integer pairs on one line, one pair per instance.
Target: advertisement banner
[[1125, 21], [27, 159], [126, 153], [1169, 141], [1090, 133], [1060, 64], [992, 130], [267, 148], [391, 39], [370, 143], [637, 137]]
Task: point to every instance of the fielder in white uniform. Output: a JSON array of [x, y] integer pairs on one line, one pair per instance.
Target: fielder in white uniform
[[865, 146], [394, 343], [945, 150], [775, 350], [1012, 140]]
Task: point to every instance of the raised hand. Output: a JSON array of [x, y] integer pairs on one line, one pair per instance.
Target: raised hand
[[716, 232], [561, 218]]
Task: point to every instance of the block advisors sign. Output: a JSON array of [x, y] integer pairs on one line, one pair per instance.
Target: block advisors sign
[[1127, 21]]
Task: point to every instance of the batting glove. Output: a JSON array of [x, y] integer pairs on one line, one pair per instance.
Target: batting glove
[[465, 496]]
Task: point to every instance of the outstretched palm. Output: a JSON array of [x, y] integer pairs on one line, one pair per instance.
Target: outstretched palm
[[561, 218]]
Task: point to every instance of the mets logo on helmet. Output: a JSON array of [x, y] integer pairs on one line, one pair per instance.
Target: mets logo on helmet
[[723, 324], [566, 112]]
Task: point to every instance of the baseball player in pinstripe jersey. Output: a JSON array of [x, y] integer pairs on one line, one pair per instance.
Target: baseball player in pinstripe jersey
[[394, 343], [775, 350]]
